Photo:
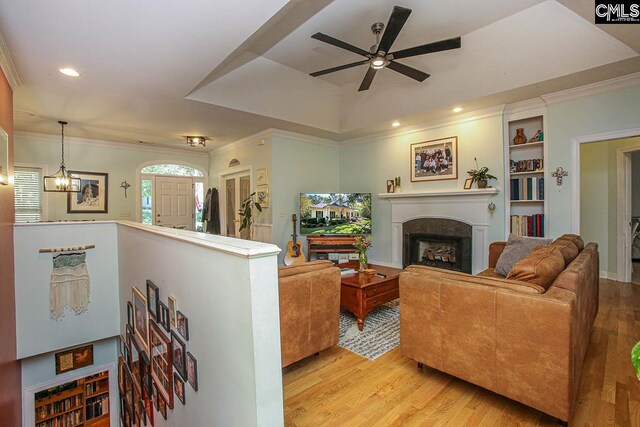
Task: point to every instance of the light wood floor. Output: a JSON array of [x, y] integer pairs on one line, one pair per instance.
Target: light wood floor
[[340, 388]]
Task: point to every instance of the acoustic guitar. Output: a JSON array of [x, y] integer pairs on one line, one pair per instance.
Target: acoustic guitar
[[294, 247]]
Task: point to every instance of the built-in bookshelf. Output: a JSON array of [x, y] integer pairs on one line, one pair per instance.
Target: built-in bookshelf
[[526, 185], [84, 402]]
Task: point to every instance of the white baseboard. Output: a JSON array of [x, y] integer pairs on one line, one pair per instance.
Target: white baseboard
[[608, 275], [386, 264]]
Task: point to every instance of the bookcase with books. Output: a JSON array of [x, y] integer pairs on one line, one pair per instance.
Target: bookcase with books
[[525, 151], [83, 402]]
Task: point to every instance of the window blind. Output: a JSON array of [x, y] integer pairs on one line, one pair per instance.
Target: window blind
[[28, 194]]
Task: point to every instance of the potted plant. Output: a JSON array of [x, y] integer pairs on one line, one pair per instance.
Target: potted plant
[[480, 175], [246, 213]]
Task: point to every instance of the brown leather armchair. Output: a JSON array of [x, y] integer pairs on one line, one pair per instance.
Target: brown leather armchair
[[309, 309]]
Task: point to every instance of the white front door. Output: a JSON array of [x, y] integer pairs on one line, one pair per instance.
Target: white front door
[[237, 187], [174, 202]]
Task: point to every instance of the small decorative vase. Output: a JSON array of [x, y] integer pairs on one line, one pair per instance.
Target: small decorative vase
[[482, 183], [519, 138], [362, 260]]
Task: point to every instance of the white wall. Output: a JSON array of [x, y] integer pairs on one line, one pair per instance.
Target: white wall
[[588, 115], [249, 153], [300, 165], [228, 289], [36, 332], [119, 160], [366, 167]]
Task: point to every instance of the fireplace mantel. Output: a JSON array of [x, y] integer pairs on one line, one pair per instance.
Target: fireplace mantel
[[455, 193], [469, 206]]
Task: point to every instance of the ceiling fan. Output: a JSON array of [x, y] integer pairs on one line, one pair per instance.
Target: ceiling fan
[[378, 56]]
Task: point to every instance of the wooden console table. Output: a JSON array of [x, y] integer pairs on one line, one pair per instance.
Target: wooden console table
[[360, 293], [328, 244]]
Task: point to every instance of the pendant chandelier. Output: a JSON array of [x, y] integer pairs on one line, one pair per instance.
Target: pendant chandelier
[[62, 181]]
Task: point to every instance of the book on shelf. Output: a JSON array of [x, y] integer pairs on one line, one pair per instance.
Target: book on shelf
[[529, 188], [528, 225], [530, 165]]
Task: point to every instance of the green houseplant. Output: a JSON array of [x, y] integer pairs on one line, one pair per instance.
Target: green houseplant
[[480, 175], [246, 213]]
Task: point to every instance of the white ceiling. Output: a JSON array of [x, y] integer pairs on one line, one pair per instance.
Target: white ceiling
[[156, 71]]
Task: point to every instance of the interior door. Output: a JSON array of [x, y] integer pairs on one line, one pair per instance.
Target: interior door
[[237, 187], [174, 202]]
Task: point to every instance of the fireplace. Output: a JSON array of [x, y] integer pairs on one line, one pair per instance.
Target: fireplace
[[437, 242]]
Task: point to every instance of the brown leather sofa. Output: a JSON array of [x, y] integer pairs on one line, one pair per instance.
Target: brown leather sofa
[[309, 309], [518, 338]]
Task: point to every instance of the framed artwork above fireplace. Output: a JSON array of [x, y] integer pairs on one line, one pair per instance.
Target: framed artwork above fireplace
[[435, 159]]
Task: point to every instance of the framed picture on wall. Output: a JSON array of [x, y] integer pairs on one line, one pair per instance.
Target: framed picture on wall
[[192, 371], [4, 157], [178, 387], [93, 196], [75, 358], [153, 298], [183, 325], [173, 308], [261, 176], [161, 362], [140, 318], [164, 316], [434, 160], [179, 354], [262, 196]]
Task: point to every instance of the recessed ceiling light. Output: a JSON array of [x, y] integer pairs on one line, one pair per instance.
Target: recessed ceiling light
[[457, 109], [69, 72], [395, 124]]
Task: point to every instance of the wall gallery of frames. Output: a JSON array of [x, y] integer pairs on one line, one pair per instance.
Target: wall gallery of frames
[[154, 363]]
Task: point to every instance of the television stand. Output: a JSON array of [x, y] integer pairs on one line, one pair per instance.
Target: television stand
[[329, 244]]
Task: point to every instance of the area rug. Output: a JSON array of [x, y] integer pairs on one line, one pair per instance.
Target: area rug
[[381, 332]]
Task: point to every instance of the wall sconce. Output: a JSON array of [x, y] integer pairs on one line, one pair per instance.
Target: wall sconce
[[194, 141], [559, 174], [492, 208]]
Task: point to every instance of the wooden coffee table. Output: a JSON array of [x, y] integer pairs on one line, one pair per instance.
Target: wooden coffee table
[[361, 293]]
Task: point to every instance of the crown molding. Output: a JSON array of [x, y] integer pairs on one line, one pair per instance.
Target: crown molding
[[592, 89], [112, 144], [264, 134], [528, 106], [430, 125], [269, 134], [305, 138], [7, 65]]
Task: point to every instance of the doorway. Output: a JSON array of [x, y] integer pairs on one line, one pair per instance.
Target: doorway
[[180, 203], [236, 187], [606, 201], [174, 202]]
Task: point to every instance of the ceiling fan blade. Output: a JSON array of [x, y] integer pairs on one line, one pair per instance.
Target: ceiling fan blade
[[339, 43], [341, 67], [368, 78], [439, 46], [408, 71], [396, 21]]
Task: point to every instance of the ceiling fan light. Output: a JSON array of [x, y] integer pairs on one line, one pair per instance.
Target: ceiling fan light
[[378, 62]]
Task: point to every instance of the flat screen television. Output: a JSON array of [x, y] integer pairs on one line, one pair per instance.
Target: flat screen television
[[335, 213]]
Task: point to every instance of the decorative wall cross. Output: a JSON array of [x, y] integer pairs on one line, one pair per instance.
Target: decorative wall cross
[[559, 174], [124, 184]]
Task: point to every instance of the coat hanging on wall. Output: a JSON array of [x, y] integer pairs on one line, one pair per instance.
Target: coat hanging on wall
[[70, 285], [211, 211]]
